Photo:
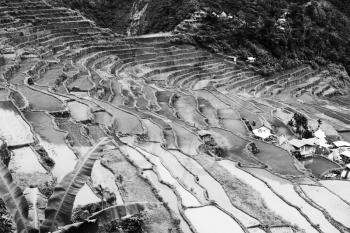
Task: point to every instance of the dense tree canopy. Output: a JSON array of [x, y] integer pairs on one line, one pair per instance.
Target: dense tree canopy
[[315, 31]]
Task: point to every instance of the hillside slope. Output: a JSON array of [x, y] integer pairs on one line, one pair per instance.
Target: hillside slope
[[133, 16], [314, 32]]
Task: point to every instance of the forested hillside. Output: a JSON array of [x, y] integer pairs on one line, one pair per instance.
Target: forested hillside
[[280, 34], [314, 31]]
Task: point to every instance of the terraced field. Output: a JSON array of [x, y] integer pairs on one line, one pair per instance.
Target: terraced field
[[70, 83]]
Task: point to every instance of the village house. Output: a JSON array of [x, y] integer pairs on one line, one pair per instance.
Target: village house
[[262, 132], [345, 174], [306, 147], [334, 156], [251, 59], [345, 156], [341, 144]]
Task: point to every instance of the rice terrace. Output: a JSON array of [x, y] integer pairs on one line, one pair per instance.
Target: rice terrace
[[128, 128]]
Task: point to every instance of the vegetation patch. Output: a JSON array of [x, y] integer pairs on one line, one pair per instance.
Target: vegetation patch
[[6, 224], [240, 194], [44, 182], [44, 157], [134, 188]]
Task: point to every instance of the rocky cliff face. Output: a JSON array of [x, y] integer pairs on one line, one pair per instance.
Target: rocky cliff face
[[138, 17]]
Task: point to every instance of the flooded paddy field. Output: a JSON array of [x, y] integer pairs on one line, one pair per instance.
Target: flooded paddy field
[[285, 189], [154, 131], [184, 176], [169, 197], [336, 207], [4, 94], [338, 187], [53, 141], [133, 188], [49, 77], [187, 141], [234, 147], [201, 218], [333, 114], [25, 160], [40, 101], [345, 136], [273, 202], [74, 136], [319, 165], [79, 111], [81, 83], [13, 128], [279, 160], [208, 111], [186, 108]]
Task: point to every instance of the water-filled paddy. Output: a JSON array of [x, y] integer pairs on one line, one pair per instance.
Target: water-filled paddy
[[187, 198], [231, 121], [103, 118], [154, 132], [186, 108], [183, 176], [336, 115], [285, 189], [169, 197], [25, 160], [345, 136], [277, 159], [149, 93], [282, 129], [203, 218], [75, 135], [19, 77], [272, 201], [136, 157], [41, 101], [79, 111], [233, 146], [186, 140], [205, 107], [319, 165], [53, 142], [85, 196], [339, 187], [215, 190], [337, 208], [256, 230], [127, 123], [49, 77], [12, 126], [117, 98], [170, 138], [4, 94], [281, 230], [104, 178], [83, 83]]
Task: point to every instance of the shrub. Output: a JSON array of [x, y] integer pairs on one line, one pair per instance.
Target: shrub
[[5, 222], [5, 155], [44, 157]]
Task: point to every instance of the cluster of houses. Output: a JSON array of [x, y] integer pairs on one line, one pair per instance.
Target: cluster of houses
[[337, 151]]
